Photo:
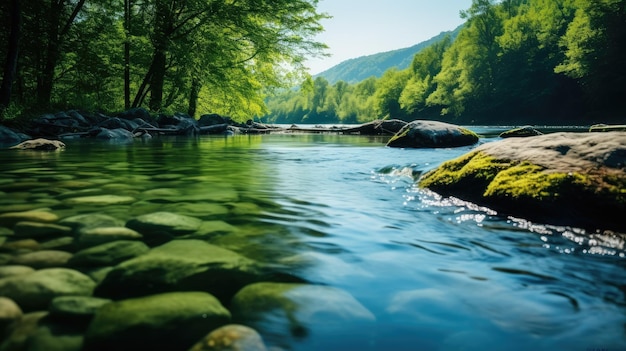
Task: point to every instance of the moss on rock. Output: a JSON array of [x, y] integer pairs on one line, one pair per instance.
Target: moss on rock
[[560, 190]]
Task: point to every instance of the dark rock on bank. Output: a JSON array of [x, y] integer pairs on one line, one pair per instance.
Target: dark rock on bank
[[432, 134], [524, 131], [10, 137], [378, 127], [573, 179]]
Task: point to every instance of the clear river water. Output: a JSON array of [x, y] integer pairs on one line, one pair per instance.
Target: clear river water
[[344, 211]]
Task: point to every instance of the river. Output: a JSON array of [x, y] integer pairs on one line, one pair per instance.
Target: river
[[437, 273]]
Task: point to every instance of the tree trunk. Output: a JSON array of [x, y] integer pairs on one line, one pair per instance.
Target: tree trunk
[[127, 16], [193, 97], [12, 55], [55, 37], [162, 24], [44, 84], [158, 80]]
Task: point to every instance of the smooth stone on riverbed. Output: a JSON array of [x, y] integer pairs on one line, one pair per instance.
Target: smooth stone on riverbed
[[91, 220], [89, 237], [232, 337], [42, 259], [35, 291], [9, 312], [50, 336], [18, 334], [108, 254], [101, 200], [38, 230], [9, 219], [181, 265], [75, 308], [170, 321], [281, 311], [11, 270], [172, 223]]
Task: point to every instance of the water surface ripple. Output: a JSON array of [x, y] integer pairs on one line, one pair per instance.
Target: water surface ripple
[[437, 273]]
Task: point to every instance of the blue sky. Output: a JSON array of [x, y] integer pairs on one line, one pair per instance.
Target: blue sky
[[364, 27]]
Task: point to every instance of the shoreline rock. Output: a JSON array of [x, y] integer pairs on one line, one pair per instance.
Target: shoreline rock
[[432, 134], [575, 179]]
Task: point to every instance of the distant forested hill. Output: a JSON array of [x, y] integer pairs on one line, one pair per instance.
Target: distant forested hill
[[360, 68]]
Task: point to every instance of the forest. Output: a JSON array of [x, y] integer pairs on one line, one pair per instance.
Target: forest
[[220, 56], [514, 61], [548, 62]]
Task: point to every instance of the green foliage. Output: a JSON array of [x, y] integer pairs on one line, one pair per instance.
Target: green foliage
[[513, 62], [219, 56]]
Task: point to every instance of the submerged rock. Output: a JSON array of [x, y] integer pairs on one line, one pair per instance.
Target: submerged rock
[[171, 321], [11, 270], [101, 200], [9, 312], [432, 134], [573, 179], [88, 237], [19, 333], [42, 259], [282, 311], [91, 220], [181, 265], [168, 222], [38, 230], [9, 219], [35, 291], [108, 254], [75, 308], [231, 337]]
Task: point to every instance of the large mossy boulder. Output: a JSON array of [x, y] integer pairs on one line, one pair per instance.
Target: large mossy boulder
[[171, 321], [287, 312], [576, 179], [181, 265], [432, 134]]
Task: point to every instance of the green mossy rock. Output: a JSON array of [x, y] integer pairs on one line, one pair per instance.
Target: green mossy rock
[[42, 259], [75, 308], [91, 220], [171, 321], [88, 237], [576, 179], [35, 291], [50, 336], [39, 230], [9, 219], [172, 223], [181, 265], [108, 254]]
